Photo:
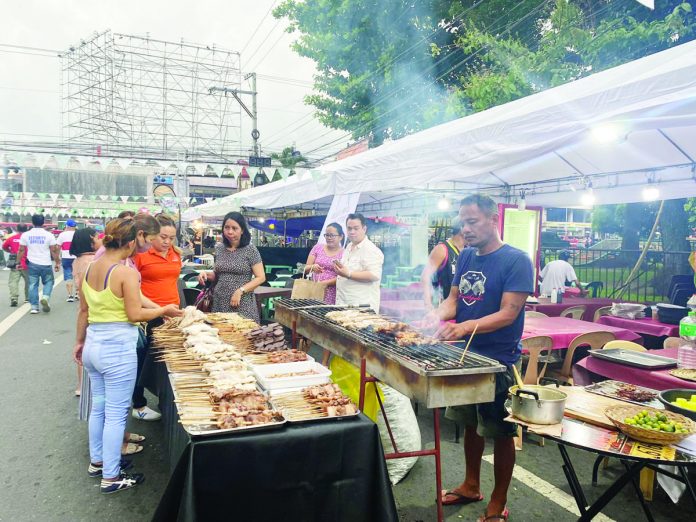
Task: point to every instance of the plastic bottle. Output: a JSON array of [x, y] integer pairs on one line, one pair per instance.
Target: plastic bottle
[[691, 303], [686, 353], [554, 296]]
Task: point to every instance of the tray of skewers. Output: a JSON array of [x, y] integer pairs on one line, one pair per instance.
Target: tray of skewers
[[315, 403], [214, 411], [626, 392]]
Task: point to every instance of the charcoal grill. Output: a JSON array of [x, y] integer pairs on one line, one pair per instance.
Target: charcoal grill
[[431, 374]]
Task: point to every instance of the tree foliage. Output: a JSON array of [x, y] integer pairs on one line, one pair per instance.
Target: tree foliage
[[390, 68], [289, 158]]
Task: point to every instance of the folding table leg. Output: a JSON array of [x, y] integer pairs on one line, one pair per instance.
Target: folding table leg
[[638, 487], [689, 486], [647, 483]]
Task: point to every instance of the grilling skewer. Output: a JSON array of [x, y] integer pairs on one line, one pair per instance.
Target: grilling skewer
[[466, 348]]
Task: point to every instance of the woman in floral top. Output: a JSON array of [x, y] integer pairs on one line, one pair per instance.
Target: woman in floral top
[[321, 260]]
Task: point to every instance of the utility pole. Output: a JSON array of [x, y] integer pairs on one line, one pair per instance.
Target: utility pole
[[253, 114]]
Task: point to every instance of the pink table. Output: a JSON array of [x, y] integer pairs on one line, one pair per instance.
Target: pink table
[[655, 379], [563, 330], [642, 326], [554, 310]]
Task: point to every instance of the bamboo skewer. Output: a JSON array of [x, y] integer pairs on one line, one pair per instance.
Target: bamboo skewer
[[466, 348]]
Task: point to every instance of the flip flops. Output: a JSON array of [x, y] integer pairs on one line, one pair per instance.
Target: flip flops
[[490, 518], [128, 448], [134, 437], [459, 499]]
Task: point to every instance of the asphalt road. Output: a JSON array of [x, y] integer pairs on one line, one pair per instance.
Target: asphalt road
[[44, 453]]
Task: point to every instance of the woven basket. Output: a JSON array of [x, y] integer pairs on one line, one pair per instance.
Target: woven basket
[[688, 374], [617, 414]]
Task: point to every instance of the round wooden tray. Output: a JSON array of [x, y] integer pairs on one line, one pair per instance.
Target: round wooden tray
[[688, 374], [617, 414]]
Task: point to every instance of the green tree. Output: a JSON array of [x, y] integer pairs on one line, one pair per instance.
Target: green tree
[[289, 158]]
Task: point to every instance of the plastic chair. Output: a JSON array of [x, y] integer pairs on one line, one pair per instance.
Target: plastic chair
[[680, 280], [574, 312], [625, 345], [596, 286], [532, 313], [600, 312], [535, 346], [595, 341], [672, 342]]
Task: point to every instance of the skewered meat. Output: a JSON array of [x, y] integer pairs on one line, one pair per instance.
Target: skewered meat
[[252, 419], [323, 390], [191, 315], [287, 356], [269, 338], [292, 374], [411, 338], [337, 411]]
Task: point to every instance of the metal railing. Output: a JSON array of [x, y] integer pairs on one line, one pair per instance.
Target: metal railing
[[608, 271]]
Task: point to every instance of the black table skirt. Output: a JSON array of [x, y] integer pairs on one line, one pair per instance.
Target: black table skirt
[[328, 471]]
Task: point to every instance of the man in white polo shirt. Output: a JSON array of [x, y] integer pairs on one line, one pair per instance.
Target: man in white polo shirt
[[360, 269], [40, 246]]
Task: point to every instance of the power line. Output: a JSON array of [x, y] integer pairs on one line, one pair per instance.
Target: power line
[[269, 50], [258, 48], [258, 27]]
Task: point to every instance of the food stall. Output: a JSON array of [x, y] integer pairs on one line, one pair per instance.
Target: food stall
[[234, 449]]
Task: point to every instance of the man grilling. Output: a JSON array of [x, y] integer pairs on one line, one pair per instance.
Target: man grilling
[[490, 286]]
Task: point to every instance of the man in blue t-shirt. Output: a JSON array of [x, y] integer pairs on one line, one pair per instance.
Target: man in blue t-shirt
[[490, 287]]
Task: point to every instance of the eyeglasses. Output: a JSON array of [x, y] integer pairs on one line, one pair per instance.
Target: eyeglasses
[[329, 236]]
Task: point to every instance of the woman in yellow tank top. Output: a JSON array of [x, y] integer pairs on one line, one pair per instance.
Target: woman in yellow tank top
[[110, 308]]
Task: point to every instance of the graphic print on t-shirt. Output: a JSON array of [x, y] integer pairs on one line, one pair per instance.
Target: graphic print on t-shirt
[[472, 287]]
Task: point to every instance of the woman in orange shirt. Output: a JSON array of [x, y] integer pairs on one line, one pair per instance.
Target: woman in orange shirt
[[160, 266], [159, 269]]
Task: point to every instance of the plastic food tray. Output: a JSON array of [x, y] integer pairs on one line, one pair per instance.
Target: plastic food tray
[[636, 359], [250, 357], [203, 430], [262, 374], [272, 369]]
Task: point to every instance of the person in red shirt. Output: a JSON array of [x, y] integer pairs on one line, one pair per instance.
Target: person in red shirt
[[159, 269], [19, 270], [160, 266]]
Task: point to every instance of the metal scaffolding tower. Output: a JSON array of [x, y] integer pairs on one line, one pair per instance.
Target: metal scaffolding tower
[[132, 93]]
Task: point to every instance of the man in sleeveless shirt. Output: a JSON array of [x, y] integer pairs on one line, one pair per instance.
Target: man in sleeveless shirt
[[438, 273]]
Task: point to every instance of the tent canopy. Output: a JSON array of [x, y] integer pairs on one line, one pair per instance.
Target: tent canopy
[[614, 131]]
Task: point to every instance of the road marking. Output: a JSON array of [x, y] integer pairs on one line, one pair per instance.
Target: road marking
[[551, 492], [20, 312]]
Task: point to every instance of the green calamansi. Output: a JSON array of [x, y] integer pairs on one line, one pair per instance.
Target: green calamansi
[[657, 422]]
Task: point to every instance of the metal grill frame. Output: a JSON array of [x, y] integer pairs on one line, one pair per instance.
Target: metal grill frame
[[434, 389]]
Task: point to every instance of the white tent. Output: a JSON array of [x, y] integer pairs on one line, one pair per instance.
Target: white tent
[[614, 131]]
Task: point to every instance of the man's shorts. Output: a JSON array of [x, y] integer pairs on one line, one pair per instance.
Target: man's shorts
[[67, 269], [488, 417]]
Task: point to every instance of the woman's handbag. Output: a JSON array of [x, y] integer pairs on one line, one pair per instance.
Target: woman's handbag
[[204, 301], [306, 288]]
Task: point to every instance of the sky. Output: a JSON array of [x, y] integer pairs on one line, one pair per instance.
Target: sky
[[29, 80]]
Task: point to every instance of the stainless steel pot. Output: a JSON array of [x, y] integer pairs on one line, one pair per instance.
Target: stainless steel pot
[[538, 404]]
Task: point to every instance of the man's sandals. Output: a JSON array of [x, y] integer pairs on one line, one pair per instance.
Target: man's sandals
[[129, 446], [457, 498], [503, 516]]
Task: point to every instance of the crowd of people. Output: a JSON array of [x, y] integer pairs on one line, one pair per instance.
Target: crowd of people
[[127, 282]]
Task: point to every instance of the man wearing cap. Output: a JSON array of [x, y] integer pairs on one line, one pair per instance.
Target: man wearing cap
[[556, 273], [64, 240]]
